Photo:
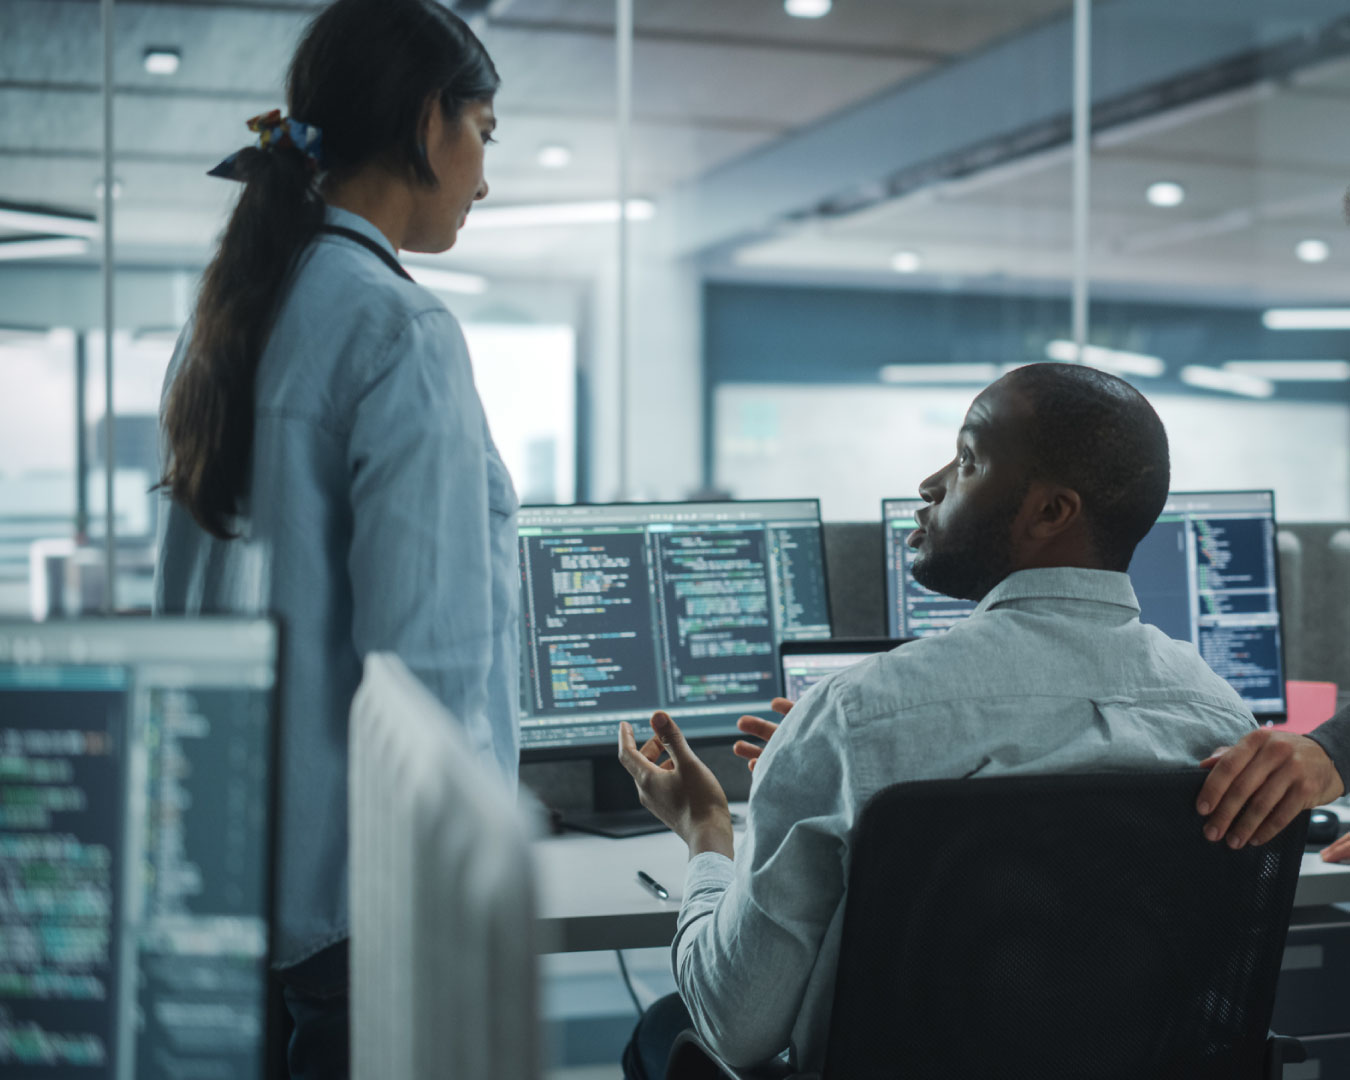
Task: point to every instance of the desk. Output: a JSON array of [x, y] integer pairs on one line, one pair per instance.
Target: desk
[[589, 897]]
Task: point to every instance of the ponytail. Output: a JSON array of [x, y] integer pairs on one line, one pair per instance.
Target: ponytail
[[208, 418]]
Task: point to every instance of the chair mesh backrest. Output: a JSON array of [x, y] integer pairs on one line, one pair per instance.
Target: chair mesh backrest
[[1057, 926]]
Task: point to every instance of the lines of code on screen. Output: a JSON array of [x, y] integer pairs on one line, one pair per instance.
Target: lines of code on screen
[[620, 619]]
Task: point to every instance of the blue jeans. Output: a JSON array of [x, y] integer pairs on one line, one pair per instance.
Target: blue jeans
[[317, 997], [645, 1056]]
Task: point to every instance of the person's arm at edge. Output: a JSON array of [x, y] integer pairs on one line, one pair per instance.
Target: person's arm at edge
[[1260, 785], [420, 558], [749, 935]]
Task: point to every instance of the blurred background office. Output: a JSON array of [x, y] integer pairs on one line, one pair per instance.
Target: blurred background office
[[842, 220]]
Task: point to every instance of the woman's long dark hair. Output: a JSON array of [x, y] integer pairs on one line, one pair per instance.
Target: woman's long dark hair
[[364, 74]]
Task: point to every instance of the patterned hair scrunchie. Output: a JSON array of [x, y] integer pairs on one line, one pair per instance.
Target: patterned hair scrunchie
[[277, 131]]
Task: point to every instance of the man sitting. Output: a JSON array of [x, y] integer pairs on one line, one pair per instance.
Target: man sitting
[[1059, 472]]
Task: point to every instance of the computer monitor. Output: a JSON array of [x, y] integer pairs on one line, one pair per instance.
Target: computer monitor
[[136, 835], [1206, 573], [633, 607], [805, 663]]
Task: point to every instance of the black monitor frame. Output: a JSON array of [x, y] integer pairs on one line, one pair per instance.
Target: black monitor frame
[[1271, 717]]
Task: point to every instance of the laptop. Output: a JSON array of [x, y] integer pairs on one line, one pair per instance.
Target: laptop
[[802, 664]]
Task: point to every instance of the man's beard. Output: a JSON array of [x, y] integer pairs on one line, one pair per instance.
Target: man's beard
[[973, 557]]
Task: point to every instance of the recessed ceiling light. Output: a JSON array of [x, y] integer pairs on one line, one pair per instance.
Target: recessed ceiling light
[[906, 262], [1165, 193], [807, 9], [1312, 251], [162, 61], [555, 156]]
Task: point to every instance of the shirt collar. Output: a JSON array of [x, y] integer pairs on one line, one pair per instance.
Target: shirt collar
[[1063, 583], [333, 215]]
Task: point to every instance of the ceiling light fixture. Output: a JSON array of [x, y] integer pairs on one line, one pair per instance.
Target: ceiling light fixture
[[807, 9], [36, 219], [555, 156], [604, 212], [438, 280], [162, 60], [939, 373], [1118, 361], [1165, 193], [906, 262], [1292, 370], [1231, 382], [1307, 319], [42, 247], [1312, 251]]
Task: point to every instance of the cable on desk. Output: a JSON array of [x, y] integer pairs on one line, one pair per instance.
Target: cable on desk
[[627, 981]]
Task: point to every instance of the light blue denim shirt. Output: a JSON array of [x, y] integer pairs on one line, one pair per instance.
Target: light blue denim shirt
[[379, 517], [1053, 672]]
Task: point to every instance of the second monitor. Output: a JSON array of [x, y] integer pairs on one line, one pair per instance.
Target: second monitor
[[633, 607], [1205, 573]]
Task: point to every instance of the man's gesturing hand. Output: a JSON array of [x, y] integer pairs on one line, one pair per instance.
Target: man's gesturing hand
[[681, 791], [760, 729], [1260, 785]]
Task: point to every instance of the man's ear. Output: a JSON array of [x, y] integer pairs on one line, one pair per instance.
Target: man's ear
[[1055, 510]]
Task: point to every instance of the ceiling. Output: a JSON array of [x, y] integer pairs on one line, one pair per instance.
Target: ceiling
[[717, 83]]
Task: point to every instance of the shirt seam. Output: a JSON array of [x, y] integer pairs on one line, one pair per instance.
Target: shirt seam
[[1196, 698]]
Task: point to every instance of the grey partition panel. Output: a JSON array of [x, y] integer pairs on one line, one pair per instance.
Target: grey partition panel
[[1315, 586], [1289, 552], [857, 578]]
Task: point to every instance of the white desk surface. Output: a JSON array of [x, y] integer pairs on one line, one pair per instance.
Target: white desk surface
[[589, 896]]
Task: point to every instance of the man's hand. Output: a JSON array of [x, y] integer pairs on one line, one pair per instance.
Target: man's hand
[[681, 791], [760, 729], [1337, 850], [1260, 785]]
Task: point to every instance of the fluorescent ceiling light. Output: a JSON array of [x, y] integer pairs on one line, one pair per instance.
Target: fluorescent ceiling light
[[603, 212], [807, 9], [906, 262], [1312, 251], [1303, 318], [939, 373], [1115, 360], [555, 156], [1292, 370], [438, 280], [1210, 378], [162, 61], [43, 247], [32, 220], [1165, 193]]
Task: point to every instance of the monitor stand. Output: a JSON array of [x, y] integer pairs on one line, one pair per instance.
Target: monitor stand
[[616, 812]]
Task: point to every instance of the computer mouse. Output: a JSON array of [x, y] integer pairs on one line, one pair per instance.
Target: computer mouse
[[1323, 827]]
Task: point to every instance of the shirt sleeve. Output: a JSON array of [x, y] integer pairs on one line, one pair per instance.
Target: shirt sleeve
[[749, 932], [420, 560], [1333, 736]]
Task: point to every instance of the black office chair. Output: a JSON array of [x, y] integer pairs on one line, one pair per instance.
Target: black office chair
[[1075, 926]]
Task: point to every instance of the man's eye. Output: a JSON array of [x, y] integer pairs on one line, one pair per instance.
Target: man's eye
[[963, 458]]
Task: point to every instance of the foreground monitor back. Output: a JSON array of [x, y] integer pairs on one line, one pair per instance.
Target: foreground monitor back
[[633, 607], [136, 836], [1206, 573]]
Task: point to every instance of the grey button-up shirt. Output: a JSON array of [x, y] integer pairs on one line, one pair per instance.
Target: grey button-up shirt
[[379, 517], [1053, 672]]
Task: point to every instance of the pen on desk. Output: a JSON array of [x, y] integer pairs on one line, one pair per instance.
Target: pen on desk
[[653, 886]]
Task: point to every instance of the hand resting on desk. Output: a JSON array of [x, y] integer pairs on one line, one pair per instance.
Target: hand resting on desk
[[1260, 785]]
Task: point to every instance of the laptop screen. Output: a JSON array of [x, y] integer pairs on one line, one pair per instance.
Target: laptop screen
[[805, 663]]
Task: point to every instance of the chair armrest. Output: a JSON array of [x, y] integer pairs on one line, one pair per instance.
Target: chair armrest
[[690, 1059], [1282, 1050]]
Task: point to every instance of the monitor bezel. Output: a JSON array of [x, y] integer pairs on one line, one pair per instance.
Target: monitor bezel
[[534, 755], [272, 1040], [1274, 717]]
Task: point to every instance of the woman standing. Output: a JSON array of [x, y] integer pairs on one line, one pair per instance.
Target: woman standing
[[325, 448]]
